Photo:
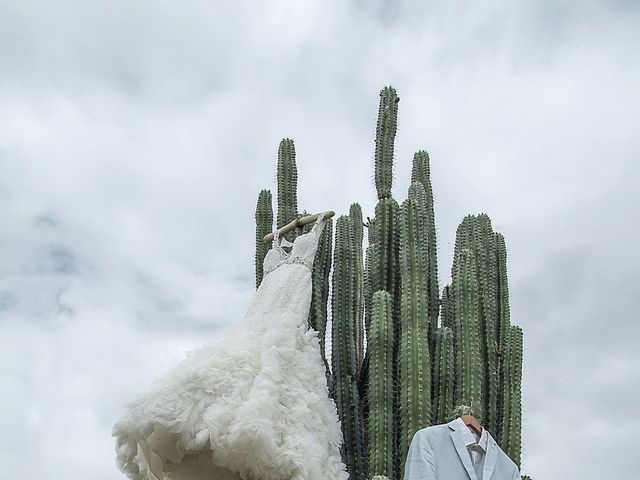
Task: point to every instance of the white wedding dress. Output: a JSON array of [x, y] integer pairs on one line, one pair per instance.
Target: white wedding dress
[[252, 405]]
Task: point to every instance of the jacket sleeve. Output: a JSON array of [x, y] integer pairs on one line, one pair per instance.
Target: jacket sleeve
[[420, 463]]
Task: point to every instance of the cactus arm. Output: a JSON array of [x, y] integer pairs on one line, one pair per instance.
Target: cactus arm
[[415, 368], [343, 359]]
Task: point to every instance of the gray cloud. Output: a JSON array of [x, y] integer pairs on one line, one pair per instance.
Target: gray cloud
[[135, 137]]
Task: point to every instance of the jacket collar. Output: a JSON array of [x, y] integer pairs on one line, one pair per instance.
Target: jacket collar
[[490, 457]]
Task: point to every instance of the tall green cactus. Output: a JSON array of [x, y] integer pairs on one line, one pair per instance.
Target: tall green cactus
[[344, 354], [264, 226], [487, 268], [425, 230], [320, 292], [385, 141], [476, 237], [510, 434], [514, 448], [385, 272], [287, 186], [355, 213], [503, 288], [469, 367], [415, 367], [380, 385], [421, 172], [503, 323], [444, 376], [411, 373], [480, 266]]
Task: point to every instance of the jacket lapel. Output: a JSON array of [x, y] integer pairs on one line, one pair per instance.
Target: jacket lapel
[[463, 453], [490, 458]]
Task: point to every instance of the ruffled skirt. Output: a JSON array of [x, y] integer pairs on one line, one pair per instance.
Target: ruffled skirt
[[253, 406]]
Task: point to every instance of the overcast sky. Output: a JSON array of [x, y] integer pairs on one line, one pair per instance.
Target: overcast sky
[[136, 135]]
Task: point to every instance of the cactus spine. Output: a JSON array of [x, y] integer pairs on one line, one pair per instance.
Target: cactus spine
[[380, 386], [264, 226]]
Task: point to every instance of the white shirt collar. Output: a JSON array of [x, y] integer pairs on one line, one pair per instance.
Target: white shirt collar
[[471, 438]]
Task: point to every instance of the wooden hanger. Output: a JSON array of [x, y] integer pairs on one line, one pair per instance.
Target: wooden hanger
[[470, 421], [299, 222]]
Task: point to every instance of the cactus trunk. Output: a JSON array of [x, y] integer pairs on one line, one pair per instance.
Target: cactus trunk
[[380, 386], [469, 367], [355, 213], [385, 273], [320, 292], [344, 354], [504, 323], [487, 268], [421, 172], [512, 401], [415, 367]]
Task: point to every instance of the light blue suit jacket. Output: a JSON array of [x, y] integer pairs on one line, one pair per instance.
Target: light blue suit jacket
[[439, 453]]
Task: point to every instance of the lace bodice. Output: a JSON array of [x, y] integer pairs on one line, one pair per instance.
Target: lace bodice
[[303, 249]]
